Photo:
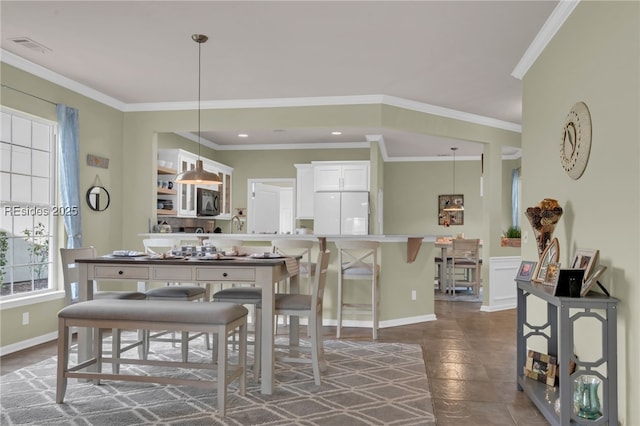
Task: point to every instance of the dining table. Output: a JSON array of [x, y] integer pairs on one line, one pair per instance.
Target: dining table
[[143, 269], [444, 244]]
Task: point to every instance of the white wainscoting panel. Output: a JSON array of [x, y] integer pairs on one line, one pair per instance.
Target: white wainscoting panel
[[502, 288]]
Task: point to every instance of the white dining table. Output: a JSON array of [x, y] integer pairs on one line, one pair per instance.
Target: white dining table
[[263, 273]]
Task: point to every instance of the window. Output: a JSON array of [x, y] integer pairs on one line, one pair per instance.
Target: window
[[28, 212]]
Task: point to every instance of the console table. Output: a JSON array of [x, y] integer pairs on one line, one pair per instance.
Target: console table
[[562, 315]]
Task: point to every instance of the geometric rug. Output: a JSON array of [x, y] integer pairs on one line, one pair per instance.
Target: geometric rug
[[366, 383]]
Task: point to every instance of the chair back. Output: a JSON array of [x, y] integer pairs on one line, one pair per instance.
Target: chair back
[[222, 244], [466, 249], [320, 278], [68, 257], [358, 258], [158, 245], [293, 247]]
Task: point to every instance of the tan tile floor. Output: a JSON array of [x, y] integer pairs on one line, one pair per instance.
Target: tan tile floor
[[470, 357]]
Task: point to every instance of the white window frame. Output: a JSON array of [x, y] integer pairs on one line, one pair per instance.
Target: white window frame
[[50, 218]]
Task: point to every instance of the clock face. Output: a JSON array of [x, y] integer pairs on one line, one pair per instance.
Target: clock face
[[576, 140]]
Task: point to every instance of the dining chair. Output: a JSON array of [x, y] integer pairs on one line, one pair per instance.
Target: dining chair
[[310, 306], [465, 256], [71, 283], [172, 291], [358, 261], [295, 247]]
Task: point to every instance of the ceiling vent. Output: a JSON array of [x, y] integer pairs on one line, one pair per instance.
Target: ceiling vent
[[30, 44]]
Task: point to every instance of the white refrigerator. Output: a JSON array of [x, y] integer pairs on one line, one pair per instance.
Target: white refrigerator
[[341, 213]]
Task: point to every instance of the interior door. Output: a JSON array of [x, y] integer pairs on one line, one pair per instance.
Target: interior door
[[265, 209]]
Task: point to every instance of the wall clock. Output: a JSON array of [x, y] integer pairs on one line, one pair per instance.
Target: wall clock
[[576, 140]]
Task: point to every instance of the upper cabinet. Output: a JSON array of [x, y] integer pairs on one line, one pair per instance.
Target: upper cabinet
[[341, 176], [304, 191], [184, 200]]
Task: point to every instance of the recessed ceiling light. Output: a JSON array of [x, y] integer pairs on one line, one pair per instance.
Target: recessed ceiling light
[[336, 133], [243, 135]]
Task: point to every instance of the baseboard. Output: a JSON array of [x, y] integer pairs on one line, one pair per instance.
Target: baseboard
[[383, 324], [496, 308], [26, 344]]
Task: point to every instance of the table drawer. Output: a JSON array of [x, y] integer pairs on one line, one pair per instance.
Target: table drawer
[[172, 273], [226, 274], [122, 272]]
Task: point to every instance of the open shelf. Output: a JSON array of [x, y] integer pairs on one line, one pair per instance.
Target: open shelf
[[164, 212], [166, 191], [166, 171]]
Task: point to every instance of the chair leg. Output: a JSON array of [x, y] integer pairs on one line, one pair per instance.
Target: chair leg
[[242, 359], [257, 346], [184, 343], [116, 349], [374, 306], [63, 360], [315, 349]]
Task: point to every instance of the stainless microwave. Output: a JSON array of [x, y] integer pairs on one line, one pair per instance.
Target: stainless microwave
[[207, 202]]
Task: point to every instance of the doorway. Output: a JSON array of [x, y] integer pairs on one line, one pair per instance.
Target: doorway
[[271, 206]]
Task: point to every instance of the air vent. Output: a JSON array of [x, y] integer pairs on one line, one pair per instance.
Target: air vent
[[30, 44]]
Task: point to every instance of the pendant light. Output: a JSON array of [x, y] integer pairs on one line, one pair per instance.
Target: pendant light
[[452, 207], [199, 175]]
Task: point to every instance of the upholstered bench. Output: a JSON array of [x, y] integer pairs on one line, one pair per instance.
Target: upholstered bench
[[218, 318]]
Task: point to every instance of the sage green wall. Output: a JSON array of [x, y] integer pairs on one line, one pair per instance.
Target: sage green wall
[[101, 130], [595, 58]]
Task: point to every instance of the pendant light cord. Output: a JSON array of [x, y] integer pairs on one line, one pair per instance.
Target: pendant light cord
[[199, 90]]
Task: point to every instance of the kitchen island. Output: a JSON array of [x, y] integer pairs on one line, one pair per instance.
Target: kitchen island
[[406, 274]]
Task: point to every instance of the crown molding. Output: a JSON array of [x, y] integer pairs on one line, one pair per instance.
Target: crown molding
[[42, 72], [553, 23], [46, 74]]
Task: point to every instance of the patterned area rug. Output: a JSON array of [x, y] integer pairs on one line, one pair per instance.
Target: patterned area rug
[[366, 383]]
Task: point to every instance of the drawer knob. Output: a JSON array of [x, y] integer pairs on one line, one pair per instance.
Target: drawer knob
[[120, 272], [224, 274]]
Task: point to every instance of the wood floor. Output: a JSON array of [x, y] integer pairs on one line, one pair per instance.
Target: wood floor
[[470, 357]]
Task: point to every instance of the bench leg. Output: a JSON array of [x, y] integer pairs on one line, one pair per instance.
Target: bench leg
[[63, 360], [222, 370], [242, 358]]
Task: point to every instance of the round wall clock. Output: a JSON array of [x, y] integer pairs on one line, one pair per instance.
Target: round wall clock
[[576, 140]]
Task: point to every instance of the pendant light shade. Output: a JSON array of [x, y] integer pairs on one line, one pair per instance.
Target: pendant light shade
[[452, 207], [199, 175]]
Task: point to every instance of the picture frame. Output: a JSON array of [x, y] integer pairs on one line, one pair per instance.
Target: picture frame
[[591, 281], [541, 367], [585, 259], [551, 274], [550, 254], [568, 282], [450, 218], [525, 272]]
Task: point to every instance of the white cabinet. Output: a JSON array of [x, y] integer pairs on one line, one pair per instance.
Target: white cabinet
[[185, 203], [341, 176], [304, 191]]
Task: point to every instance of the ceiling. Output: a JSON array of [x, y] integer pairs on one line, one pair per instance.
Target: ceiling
[[452, 56]]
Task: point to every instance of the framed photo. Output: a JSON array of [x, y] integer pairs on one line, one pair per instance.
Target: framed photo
[[589, 282], [526, 270], [549, 255], [450, 218], [551, 275], [568, 283], [585, 259], [541, 367]]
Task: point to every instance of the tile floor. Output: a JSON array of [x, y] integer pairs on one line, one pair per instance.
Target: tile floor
[[470, 356]]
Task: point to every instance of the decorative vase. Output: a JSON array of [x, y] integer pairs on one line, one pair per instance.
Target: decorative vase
[[585, 397], [543, 219]]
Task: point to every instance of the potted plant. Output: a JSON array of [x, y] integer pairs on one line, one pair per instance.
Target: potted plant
[[511, 237]]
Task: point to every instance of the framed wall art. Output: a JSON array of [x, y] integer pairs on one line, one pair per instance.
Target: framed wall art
[[585, 259], [448, 218]]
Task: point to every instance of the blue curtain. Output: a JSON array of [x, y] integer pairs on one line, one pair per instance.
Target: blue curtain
[[515, 178], [69, 171]]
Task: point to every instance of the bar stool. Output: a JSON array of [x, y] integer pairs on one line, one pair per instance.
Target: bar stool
[[358, 261]]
